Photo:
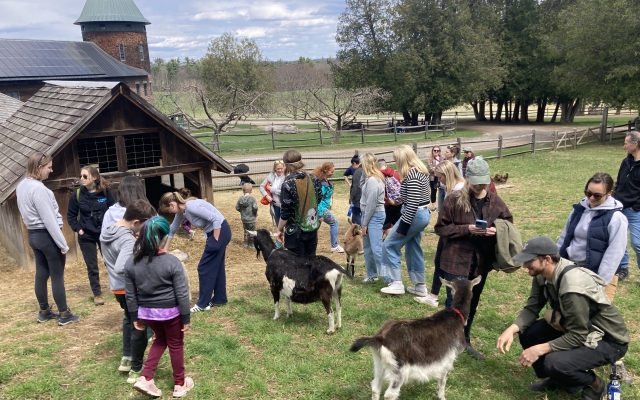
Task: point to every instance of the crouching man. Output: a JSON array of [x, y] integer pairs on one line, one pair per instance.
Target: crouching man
[[589, 331]]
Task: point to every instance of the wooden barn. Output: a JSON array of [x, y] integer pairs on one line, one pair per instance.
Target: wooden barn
[[103, 124]]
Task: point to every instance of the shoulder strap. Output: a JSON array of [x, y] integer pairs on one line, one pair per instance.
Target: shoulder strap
[[78, 195], [555, 305]]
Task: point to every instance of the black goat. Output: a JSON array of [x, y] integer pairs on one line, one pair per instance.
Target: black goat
[[420, 349], [301, 279]]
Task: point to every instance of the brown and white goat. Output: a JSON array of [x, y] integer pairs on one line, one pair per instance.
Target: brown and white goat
[[301, 279], [353, 246], [420, 349]]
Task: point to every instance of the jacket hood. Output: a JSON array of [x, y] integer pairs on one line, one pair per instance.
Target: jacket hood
[[388, 172], [114, 232], [609, 204], [245, 200]]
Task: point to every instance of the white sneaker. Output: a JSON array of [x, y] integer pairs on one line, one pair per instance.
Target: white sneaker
[[428, 300], [393, 288], [337, 249], [198, 309], [370, 279], [418, 291], [181, 390]]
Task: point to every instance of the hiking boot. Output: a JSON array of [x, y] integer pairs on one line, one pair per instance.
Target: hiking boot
[[623, 274], [473, 352], [46, 315], [97, 300], [428, 300], [181, 390], [67, 317], [147, 387], [337, 249], [544, 386], [418, 290], [133, 376], [591, 393], [370, 279], [393, 288], [125, 365], [195, 309], [623, 373]]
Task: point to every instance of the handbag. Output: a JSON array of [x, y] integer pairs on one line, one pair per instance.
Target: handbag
[[267, 188]]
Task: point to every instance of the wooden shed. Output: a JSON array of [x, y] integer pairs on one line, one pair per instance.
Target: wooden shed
[[95, 123]]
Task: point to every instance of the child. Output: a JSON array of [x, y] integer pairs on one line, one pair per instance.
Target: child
[[248, 207], [117, 242], [186, 224], [157, 296]]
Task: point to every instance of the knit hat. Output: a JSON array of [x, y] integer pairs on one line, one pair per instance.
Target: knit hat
[[478, 172], [537, 246]]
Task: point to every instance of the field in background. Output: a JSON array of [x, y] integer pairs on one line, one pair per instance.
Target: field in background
[[239, 352]]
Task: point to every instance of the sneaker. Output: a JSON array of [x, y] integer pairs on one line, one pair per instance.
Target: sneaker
[[133, 376], [125, 365], [434, 208], [546, 385], [192, 234], [181, 390], [417, 290], [67, 318], [216, 304], [623, 274], [370, 279], [46, 315], [98, 301], [198, 309], [428, 300], [147, 387], [623, 373], [393, 288], [337, 249]]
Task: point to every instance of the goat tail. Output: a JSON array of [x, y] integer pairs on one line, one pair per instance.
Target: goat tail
[[360, 343], [343, 271]]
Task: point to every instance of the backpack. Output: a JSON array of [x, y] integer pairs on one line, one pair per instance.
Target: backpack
[[306, 214], [392, 187]]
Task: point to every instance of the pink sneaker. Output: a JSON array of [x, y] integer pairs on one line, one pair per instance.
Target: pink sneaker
[[149, 388], [179, 391]]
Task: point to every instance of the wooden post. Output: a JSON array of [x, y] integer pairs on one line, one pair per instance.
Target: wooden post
[[533, 141], [613, 127], [555, 141], [273, 139], [459, 140], [362, 134], [415, 147], [395, 133], [499, 147], [444, 132], [426, 130], [575, 138], [320, 130]]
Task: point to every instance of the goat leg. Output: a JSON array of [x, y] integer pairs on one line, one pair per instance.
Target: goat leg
[[378, 375], [287, 300], [326, 301], [442, 382], [276, 302], [337, 292], [393, 391]]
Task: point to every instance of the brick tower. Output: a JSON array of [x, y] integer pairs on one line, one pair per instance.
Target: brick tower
[[118, 28]]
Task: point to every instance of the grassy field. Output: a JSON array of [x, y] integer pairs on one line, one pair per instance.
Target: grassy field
[[239, 352]]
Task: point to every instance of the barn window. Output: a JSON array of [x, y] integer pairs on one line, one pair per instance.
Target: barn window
[[141, 49], [144, 86], [82, 26], [99, 151], [143, 151], [138, 88], [121, 48], [102, 27]]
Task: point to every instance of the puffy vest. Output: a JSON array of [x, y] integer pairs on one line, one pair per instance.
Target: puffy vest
[[597, 236]]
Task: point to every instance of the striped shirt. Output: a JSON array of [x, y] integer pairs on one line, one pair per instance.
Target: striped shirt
[[415, 192]]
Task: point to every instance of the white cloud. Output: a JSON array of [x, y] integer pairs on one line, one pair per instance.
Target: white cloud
[[252, 32]]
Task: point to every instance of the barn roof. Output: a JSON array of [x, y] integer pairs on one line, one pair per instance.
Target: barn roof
[[58, 112], [111, 11], [8, 105], [28, 60]]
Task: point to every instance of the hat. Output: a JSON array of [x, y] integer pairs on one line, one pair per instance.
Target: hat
[[537, 246], [467, 150], [478, 172]]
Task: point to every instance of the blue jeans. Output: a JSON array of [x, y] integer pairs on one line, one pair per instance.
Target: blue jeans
[[441, 194], [356, 215], [332, 221], [276, 213], [412, 251], [634, 228], [372, 244]]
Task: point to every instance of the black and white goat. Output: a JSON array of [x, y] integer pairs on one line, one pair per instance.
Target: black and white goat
[[301, 279], [420, 349]]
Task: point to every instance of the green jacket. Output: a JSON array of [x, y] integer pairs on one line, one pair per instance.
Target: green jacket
[[508, 244], [587, 311]]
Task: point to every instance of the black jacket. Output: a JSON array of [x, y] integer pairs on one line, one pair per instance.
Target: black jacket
[[91, 206], [355, 193], [627, 189]]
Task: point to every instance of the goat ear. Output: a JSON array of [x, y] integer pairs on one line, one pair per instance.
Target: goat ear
[[476, 280], [446, 283], [253, 233]]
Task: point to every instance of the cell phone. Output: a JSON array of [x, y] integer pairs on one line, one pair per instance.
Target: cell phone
[[482, 224]]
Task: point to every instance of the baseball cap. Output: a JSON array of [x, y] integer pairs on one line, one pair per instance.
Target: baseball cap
[[478, 172], [537, 246], [467, 149]]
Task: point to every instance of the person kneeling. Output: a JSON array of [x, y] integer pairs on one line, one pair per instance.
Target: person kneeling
[[581, 332]]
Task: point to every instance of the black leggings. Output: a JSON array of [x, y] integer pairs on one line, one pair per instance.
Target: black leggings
[[49, 264], [434, 189]]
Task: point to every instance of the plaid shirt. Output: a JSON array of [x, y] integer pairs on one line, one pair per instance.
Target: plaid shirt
[[458, 244]]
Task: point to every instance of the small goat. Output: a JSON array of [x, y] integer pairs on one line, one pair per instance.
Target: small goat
[[353, 246], [301, 279], [420, 349]]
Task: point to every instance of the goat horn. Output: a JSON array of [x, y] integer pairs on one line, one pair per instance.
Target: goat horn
[[274, 234], [253, 233]]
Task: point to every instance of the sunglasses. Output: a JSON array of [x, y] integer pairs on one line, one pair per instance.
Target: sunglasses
[[84, 176], [436, 151], [596, 196], [40, 159]]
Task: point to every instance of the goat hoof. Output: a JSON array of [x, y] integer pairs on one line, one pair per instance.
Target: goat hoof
[[330, 332], [289, 315], [276, 318]]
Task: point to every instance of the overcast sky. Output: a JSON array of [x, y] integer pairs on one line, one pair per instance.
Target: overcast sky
[[284, 29]]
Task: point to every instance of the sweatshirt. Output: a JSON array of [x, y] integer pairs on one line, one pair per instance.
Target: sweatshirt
[[201, 214], [92, 207], [113, 214], [276, 186], [356, 188], [157, 284], [39, 210], [577, 250], [248, 208], [627, 188], [372, 199], [116, 245]]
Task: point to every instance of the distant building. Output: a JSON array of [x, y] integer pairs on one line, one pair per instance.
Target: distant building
[[114, 49]]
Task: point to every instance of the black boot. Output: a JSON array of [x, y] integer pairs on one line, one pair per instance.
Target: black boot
[[473, 352]]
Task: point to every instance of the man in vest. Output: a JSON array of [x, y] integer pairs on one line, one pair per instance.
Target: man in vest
[[627, 191], [589, 331]]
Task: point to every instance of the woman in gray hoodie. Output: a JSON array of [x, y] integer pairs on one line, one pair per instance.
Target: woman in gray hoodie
[[373, 215]]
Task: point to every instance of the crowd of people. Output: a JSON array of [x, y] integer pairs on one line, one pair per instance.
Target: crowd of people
[[576, 275]]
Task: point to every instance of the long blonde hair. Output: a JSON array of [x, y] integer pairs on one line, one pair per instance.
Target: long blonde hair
[[451, 174], [37, 160], [407, 159], [464, 195], [369, 165], [168, 197]]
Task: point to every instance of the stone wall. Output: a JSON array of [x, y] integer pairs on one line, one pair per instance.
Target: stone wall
[[110, 42]]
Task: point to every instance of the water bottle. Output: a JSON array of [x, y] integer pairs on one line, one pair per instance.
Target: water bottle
[[278, 244], [613, 388], [350, 210]]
